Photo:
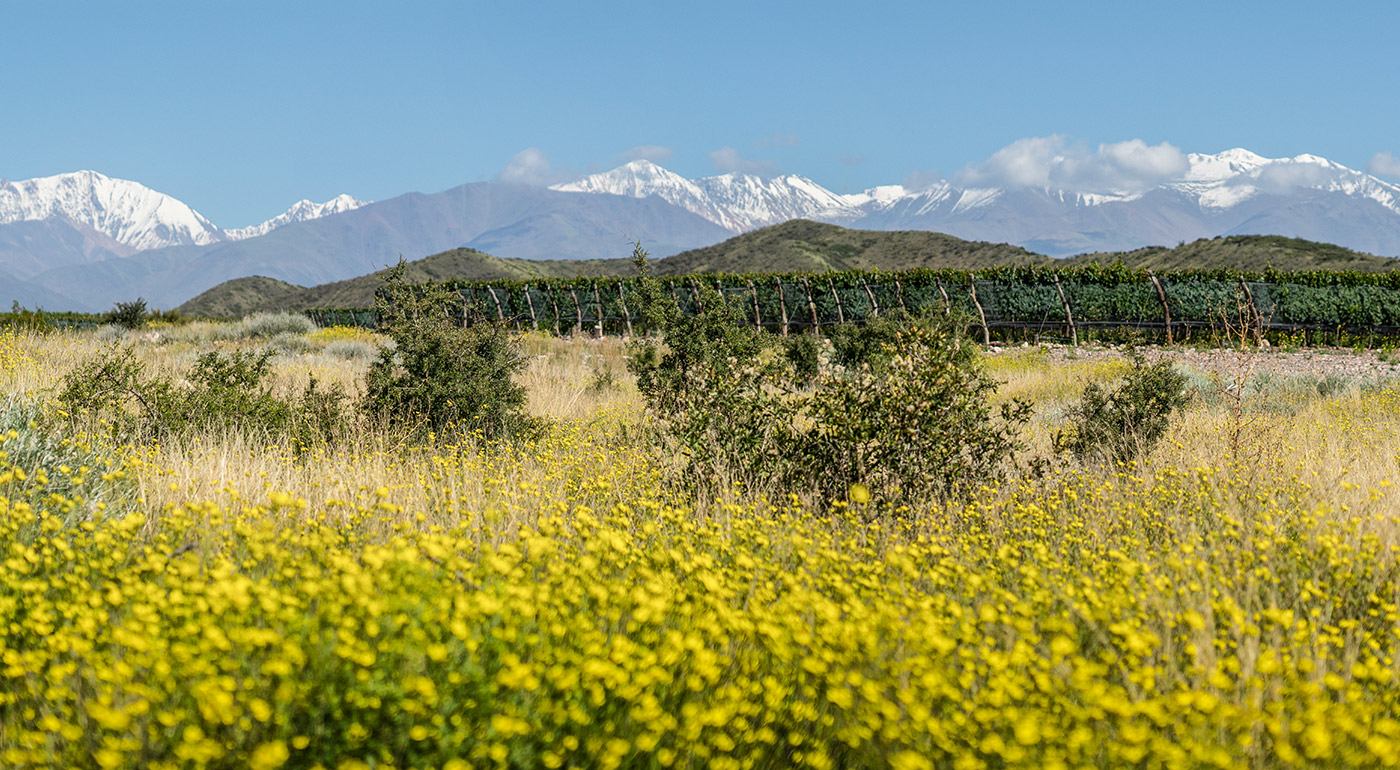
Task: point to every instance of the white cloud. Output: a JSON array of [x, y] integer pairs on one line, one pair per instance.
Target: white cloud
[[1384, 164], [652, 152], [532, 167], [1052, 161], [1283, 178], [727, 159]]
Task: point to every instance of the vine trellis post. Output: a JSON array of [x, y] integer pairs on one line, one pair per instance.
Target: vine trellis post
[[622, 300], [840, 314], [598, 308], [986, 332], [554, 303], [1166, 308], [1069, 315], [782, 305], [530, 303], [812, 305], [874, 306]]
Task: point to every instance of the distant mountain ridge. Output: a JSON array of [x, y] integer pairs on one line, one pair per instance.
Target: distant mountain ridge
[[799, 245], [85, 240]]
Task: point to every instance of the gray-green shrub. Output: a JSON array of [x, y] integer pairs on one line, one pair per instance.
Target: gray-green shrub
[[268, 325]]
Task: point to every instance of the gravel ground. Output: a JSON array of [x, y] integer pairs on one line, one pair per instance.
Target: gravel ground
[[1342, 362]]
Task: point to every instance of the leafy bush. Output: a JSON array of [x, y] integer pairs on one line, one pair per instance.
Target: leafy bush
[[128, 315], [803, 352], [221, 391], [915, 422], [268, 325], [912, 422], [1126, 421], [439, 376], [711, 348]]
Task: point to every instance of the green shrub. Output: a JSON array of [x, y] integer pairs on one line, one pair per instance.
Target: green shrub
[[916, 422], [803, 352], [913, 422], [128, 315], [1121, 423], [442, 377], [225, 392], [710, 349]]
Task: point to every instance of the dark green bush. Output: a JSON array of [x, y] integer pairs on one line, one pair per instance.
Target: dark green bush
[[803, 352], [439, 376], [224, 392], [912, 422], [1121, 423], [128, 315]]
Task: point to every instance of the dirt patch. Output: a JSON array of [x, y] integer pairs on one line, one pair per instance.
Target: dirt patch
[[1340, 362]]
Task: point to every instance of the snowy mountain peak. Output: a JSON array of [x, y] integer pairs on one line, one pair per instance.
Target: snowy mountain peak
[[735, 201], [127, 212], [300, 211]]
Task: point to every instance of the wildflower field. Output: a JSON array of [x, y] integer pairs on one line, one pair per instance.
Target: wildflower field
[[235, 599]]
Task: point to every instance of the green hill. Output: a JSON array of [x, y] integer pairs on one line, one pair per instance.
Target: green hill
[[1248, 253], [802, 245], [239, 297], [799, 245]]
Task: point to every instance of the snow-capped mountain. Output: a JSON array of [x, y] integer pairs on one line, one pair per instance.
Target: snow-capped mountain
[[301, 211], [1236, 191], [127, 212], [736, 202]]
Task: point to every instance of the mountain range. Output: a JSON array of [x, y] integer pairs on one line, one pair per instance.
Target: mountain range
[[83, 241]]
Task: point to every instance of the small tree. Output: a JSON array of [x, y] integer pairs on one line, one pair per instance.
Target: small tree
[[128, 315], [1121, 423], [440, 376]]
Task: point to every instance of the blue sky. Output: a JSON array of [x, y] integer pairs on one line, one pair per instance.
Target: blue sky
[[240, 109]]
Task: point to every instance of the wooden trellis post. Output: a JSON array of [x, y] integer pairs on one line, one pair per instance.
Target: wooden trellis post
[[1069, 316], [811, 305], [874, 306], [622, 300], [986, 333], [530, 303], [782, 305], [840, 314], [1166, 308], [598, 305], [947, 303], [500, 314], [757, 317], [554, 303], [899, 293], [578, 311]]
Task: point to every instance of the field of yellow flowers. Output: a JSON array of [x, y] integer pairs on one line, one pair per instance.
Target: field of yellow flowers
[[222, 602]]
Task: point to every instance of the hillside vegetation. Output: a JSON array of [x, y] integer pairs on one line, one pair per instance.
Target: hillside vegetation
[[798, 245], [1248, 253]]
